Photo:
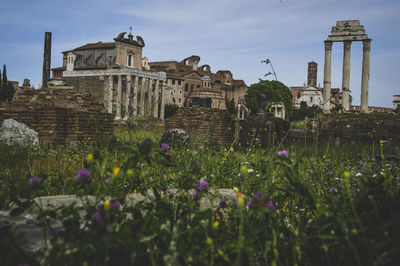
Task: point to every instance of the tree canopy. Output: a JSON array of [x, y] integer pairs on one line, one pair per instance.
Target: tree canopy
[[277, 90]]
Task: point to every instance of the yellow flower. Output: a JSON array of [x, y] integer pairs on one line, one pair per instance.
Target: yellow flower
[[240, 200], [89, 157], [215, 225], [107, 205], [116, 171], [134, 191], [129, 172], [231, 149], [236, 189], [346, 174], [243, 170], [354, 231]]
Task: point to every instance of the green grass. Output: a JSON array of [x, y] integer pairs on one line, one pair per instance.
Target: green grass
[[334, 205]]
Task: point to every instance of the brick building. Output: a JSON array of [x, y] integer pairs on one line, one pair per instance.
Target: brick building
[[199, 86]]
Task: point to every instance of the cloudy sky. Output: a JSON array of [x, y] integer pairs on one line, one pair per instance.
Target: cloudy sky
[[226, 34]]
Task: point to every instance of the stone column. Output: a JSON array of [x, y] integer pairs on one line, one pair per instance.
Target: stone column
[[150, 97], [142, 93], [128, 97], [365, 75], [156, 92], [110, 93], [238, 115], [119, 98], [135, 96], [162, 101], [346, 76], [327, 77], [46, 59]]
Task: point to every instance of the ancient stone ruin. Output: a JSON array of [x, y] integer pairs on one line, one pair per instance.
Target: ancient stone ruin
[[347, 32], [60, 115]]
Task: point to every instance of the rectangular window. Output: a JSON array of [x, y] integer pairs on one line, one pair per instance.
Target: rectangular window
[[173, 82], [186, 87], [129, 60], [180, 100], [311, 99], [179, 83], [180, 91], [173, 99]]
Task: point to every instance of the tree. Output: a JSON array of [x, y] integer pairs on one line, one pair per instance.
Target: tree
[[277, 90], [305, 111], [7, 90]]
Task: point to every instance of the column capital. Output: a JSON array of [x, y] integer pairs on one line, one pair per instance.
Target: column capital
[[347, 44], [328, 45], [367, 45]]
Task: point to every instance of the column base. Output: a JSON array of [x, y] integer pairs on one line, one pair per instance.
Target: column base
[[117, 118]]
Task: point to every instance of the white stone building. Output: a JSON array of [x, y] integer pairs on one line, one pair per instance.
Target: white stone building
[[310, 95], [278, 108], [396, 102]]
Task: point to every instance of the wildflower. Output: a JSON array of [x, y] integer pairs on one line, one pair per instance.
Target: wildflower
[[222, 203], [358, 174], [115, 205], [34, 180], [235, 189], [164, 147], [107, 205], [346, 174], [271, 206], [354, 231], [244, 171], [96, 218], [83, 175], [255, 201], [250, 170], [240, 200], [129, 172], [215, 224], [203, 185], [283, 153], [107, 180], [330, 173], [145, 146], [333, 190], [196, 195], [116, 171], [89, 157]]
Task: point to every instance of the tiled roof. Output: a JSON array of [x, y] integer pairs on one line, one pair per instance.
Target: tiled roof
[[97, 45]]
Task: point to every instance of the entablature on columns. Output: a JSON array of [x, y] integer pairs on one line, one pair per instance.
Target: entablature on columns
[[162, 76]]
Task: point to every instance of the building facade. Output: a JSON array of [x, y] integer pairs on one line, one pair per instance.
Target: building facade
[[116, 73], [200, 86]]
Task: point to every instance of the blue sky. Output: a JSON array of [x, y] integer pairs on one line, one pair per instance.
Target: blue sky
[[226, 34]]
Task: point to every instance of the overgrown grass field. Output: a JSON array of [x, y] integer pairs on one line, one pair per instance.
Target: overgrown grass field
[[292, 205]]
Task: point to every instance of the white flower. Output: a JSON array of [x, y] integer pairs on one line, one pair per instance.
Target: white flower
[[250, 170], [358, 174]]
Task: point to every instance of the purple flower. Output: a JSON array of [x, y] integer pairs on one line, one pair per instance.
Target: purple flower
[[333, 190], [83, 175], [342, 159], [115, 204], [271, 206], [283, 153], [255, 201], [311, 171], [107, 180], [368, 157], [34, 180], [203, 185], [330, 173], [222, 203], [164, 147], [96, 218], [196, 195]]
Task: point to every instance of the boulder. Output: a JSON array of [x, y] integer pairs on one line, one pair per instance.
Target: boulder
[[175, 137], [14, 133]]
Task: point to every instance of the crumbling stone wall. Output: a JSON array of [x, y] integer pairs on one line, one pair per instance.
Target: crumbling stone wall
[[60, 116], [262, 130], [376, 126], [203, 124]]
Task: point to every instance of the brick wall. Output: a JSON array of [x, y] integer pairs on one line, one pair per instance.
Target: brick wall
[[62, 126], [60, 116], [203, 124], [92, 85]]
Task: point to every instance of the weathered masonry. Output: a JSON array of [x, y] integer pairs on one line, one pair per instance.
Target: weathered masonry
[[116, 73], [347, 31]]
